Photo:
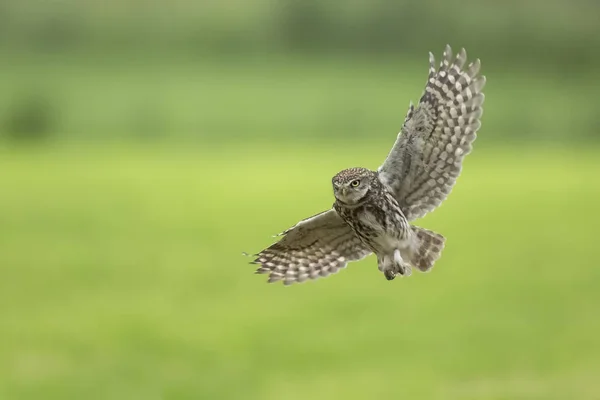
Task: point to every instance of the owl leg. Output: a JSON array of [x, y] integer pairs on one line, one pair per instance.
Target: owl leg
[[386, 265], [380, 263], [401, 267], [394, 265]]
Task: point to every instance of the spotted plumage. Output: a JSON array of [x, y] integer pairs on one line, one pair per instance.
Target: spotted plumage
[[373, 209]]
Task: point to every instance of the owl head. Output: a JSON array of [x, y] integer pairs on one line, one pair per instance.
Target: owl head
[[351, 185]]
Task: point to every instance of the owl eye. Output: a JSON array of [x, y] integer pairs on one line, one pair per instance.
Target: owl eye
[[355, 183]]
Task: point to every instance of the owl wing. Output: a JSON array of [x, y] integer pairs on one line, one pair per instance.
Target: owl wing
[[314, 247], [437, 134]]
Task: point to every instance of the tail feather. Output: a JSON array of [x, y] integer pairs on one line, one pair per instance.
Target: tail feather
[[427, 250]]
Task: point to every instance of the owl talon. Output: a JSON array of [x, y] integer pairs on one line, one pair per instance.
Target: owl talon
[[390, 275], [402, 270], [405, 270]]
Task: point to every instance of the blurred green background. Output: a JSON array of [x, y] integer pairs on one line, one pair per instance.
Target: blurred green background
[[145, 145]]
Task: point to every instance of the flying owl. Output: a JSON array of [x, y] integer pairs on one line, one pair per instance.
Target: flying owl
[[373, 209]]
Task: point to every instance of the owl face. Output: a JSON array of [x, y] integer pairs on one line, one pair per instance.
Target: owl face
[[351, 185]]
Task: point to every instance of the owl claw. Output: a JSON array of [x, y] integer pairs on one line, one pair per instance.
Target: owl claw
[[405, 270], [390, 275]]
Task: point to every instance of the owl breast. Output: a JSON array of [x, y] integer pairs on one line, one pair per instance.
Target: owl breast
[[379, 223]]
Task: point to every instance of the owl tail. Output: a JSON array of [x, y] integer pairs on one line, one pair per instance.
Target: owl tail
[[427, 249]]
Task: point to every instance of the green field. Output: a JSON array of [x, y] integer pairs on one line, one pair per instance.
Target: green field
[[121, 277]]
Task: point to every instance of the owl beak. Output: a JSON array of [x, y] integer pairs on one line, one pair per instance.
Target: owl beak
[[344, 191]]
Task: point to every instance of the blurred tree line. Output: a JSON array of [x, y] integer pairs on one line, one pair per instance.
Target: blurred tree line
[[550, 37], [545, 33]]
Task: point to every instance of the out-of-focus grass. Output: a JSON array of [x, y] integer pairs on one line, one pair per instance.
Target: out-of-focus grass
[[121, 277]]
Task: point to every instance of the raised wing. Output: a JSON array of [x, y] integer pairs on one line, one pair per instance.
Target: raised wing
[[313, 248], [437, 134]]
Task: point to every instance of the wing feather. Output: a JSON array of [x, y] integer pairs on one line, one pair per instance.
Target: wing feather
[[315, 247], [427, 157]]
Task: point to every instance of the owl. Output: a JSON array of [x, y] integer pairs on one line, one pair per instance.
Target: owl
[[373, 210]]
